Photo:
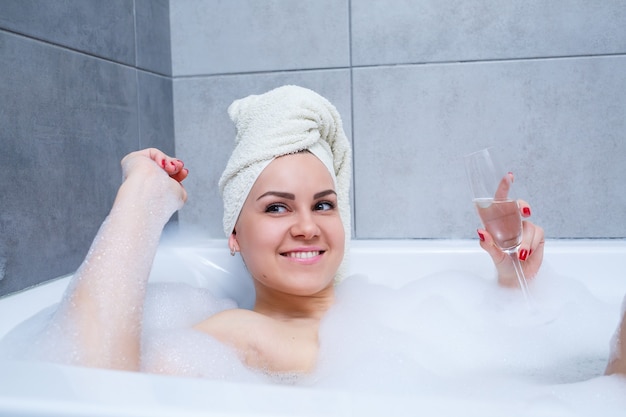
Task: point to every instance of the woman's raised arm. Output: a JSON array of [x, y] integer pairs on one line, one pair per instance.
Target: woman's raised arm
[[103, 306]]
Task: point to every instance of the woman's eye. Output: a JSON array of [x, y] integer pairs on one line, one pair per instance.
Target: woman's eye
[[275, 208], [324, 206]]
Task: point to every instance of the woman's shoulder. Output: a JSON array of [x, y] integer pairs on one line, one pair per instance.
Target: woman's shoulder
[[232, 317], [264, 342]]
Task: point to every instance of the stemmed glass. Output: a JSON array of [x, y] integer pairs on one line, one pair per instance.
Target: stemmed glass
[[497, 208]]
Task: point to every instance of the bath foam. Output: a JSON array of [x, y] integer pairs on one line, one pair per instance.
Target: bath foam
[[450, 329], [170, 345], [616, 347], [37, 338], [442, 327], [447, 335]]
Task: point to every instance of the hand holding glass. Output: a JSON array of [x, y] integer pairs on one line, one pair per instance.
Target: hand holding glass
[[496, 207]]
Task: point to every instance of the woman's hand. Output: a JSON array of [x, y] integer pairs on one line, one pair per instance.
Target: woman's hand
[[530, 251], [149, 166]]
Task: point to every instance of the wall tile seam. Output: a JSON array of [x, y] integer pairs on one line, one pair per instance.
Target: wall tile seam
[[81, 52], [135, 46], [395, 64], [260, 72], [353, 185], [490, 60], [136, 74]]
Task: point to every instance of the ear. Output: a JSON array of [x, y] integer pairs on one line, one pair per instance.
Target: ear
[[232, 242]]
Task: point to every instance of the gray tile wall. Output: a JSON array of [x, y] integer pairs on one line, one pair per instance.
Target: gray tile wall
[[104, 29], [152, 26], [240, 36], [420, 83], [72, 103], [427, 31]]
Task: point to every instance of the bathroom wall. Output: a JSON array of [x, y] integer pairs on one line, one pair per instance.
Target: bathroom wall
[[82, 83], [419, 84]]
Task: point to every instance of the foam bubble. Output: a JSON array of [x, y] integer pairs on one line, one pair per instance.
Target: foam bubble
[[172, 305], [170, 345], [447, 329], [40, 338]]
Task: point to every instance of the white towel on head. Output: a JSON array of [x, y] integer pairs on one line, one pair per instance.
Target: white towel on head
[[282, 121]]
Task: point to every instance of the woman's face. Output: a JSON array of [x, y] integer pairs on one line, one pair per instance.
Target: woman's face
[[289, 231]]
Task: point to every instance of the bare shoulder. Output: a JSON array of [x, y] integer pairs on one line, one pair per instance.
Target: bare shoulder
[[264, 342], [229, 323]]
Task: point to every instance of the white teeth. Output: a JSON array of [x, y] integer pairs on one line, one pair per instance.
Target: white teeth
[[303, 255]]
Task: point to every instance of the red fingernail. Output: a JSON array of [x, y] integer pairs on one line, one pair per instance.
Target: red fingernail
[[523, 254], [163, 163], [480, 236], [526, 211]]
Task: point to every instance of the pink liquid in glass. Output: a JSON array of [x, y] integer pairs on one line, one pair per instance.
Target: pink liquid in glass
[[501, 218]]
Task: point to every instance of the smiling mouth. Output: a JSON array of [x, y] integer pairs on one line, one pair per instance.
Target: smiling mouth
[[303, 255]]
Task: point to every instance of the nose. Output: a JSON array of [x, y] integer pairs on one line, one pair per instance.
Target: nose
[[305, 227]]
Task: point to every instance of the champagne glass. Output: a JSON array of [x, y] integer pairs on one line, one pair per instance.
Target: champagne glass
[[497, 207]]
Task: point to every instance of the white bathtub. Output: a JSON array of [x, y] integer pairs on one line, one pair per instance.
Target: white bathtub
[[44, 389]]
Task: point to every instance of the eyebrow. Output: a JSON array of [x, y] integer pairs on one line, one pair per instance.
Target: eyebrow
[[287, 196], [323, 194], [290, 196]]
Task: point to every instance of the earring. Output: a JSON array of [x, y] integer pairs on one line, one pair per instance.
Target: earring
[[232, 251]]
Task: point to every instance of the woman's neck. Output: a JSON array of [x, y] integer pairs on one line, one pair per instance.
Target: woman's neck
[[283, 306]]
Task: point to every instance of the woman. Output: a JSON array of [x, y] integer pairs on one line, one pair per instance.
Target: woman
[[286, 211]]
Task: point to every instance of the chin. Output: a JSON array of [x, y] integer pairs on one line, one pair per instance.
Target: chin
[[302, 288]]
